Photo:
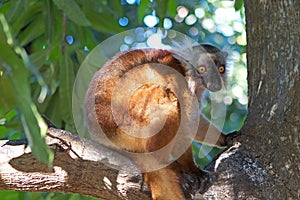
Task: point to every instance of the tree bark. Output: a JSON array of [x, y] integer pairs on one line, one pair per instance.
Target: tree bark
[[266, 165], [79, 166], [273, 126]]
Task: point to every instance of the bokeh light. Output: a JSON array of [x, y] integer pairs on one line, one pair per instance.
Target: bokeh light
[[167, 23], [128, 40], [130, 1], [85, 48], [199, 12], [209, 25], [124, 47], [69, 39], [191, 19], [123, 21], [193, 31], [182, 11], [151, 20]]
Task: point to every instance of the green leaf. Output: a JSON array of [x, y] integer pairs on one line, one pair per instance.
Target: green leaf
[[95, 5], [33, 124], [8, 99], [161, 8], [66, 80], [5, 7], [15, 61], [11, 114], [203, 154], [81, 55], [238, 4], [116, 6], [9, 195], [54, 114], [83, 37], [39, 58], [143, 9], [102, 21], [15, 8], [35, 129], [48, 10], [73, 11], [9, 133], [26, 16], [32, 31], [172, 5]]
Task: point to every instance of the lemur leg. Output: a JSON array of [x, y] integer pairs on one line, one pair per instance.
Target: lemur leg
[[165, 183]]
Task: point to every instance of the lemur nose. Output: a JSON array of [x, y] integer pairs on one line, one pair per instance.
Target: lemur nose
[[213, 87]]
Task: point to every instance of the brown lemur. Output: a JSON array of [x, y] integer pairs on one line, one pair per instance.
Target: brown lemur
[[201, 66]]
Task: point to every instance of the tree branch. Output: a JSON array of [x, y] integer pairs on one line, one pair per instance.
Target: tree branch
[[79, 166]]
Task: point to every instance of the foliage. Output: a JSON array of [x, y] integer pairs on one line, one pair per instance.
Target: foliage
[[43, 43]]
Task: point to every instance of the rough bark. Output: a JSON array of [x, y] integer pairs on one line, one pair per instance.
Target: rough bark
[[267, 164], [273, 127], [80, 166]]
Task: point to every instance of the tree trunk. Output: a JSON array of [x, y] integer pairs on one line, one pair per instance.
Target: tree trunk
[[273, 126], [266, 165]]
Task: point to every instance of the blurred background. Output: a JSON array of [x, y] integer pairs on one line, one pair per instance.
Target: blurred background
[[44, 42]]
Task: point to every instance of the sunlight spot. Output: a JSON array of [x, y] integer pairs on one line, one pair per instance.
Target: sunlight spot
[[123, 21], [227, 100], [226, 15], [209, 25], [182, 11], [238, 26], [243, 100], [107, 183], [191, 19], [167, 23], [139, 34], [151, 20], [226, 30], [128, 39], [231, 40], [237, 91], [85, 48], [69, 39], [130, 1], [193, 31], [124, 47], [178, 19], [199, 12], [241, 40]]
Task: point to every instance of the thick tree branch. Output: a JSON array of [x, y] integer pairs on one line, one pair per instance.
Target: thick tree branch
[[80, 166]]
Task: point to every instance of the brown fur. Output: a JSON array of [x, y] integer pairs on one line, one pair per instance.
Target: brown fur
[[144, 103]]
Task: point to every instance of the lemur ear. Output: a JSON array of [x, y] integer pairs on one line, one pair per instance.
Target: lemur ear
[[224, 54]]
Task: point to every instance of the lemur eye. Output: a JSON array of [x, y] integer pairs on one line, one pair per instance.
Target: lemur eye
[[222, 69], [202, 69]]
